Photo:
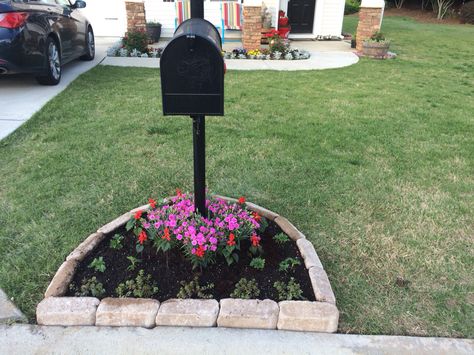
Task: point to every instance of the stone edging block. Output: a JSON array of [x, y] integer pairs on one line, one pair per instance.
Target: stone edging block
[[115, 224], [67, 311], [61, 280], [287, 227], [127, 312], [239, 313], [86, 247], [308, 253], [308, 316], [321, 285], [188, 313], [262, 211]]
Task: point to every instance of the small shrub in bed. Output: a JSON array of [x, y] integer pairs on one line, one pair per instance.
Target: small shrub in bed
[[281, 239], [246, 289], [98, 264], [140, 287], [136, 40], [258, 263], [288, 291], [89, 287], [288, 264], [116, 242], [193, 289]]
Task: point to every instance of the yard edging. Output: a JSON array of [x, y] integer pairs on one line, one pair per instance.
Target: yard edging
[[319, 316]]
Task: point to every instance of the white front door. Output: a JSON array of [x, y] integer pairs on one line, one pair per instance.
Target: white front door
[[108, 17]]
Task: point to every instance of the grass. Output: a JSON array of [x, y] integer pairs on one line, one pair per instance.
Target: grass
[[374, 163]]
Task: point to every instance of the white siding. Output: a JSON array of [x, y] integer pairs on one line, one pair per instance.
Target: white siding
[[331, 18], [108, 17]]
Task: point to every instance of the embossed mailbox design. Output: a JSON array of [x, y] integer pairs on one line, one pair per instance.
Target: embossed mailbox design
[[192, 71]]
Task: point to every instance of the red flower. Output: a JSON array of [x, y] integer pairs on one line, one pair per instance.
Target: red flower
[[152, 203], [257, 217], [200, 251], [179, 192], [255, 239], [142, 237], [242, 200], [166, 235], [231, 240], [138, 215]]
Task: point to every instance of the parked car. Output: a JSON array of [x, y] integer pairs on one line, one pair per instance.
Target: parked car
[[40, 36]]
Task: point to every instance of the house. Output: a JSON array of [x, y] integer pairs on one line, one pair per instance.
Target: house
[[309, 19]]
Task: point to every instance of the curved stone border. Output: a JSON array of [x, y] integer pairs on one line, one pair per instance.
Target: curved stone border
[[319, 316]]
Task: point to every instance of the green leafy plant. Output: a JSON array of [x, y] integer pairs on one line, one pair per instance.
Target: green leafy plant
[[258, 263], [141, 287], [98, 264], [288, 291], [281, 239], [378, 37], [246, 289], [288, 264], [194, 289], [116, 242], [351, 7], [136, 39], [133, 263], [89, 287]]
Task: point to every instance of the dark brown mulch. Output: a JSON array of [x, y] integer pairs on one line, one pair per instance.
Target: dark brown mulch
[[179, 269]]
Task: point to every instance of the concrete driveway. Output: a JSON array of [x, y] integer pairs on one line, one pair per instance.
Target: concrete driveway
[[21, 96]]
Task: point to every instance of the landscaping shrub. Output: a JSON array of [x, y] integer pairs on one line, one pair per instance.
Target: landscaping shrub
[[352, 7], [136, 40], [246, 289], [467, 13]]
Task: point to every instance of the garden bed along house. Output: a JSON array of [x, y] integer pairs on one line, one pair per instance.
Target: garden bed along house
[[244, 267]]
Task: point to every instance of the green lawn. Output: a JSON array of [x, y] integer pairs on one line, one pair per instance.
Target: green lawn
[[374, 163]]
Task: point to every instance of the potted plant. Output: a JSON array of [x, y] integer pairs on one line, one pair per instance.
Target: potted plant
[[153, 30], [376, 46]]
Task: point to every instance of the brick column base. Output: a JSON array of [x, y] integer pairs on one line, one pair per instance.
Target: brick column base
[[252, 27], [136, 19], [369, 22]]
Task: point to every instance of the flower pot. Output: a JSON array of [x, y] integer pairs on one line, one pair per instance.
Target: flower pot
[[375, 49], [153, 32]]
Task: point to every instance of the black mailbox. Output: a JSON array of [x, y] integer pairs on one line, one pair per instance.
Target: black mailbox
[[192, 71]]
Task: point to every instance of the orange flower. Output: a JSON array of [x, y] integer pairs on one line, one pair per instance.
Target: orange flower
[[166, 235], [231, 240], [257, 217], [138, 215], [255, 240], [142, 237], [179, 192], [200, 251], [152, 203], [242, 200]]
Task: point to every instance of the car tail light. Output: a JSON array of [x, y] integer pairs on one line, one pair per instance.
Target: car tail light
[[13, 19]]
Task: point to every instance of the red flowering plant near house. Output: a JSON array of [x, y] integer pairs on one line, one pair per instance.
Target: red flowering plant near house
[[202, 240]]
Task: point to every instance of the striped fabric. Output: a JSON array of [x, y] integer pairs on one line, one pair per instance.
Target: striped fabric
[[183, 11], [231, 15]]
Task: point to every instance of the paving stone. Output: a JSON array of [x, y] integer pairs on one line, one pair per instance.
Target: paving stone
[[238, 313], [67, 311], [127, 312], [61, 280], [86, 247], [308, 253], [321, 285], [308, 316], [188, 312], [115, 224], [8, 312], [289, 228], [262, 211]]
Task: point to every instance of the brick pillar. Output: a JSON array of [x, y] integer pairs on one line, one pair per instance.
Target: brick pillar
[[252, 27], [136, 19], [370, 20]]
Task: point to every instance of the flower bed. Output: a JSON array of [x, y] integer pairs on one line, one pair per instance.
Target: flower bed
[[239, 256]]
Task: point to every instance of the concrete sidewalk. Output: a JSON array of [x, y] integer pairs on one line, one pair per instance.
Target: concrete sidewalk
[[29, 339], [324, 55]]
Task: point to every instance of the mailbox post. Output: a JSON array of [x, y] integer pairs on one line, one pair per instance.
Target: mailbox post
[[192, 83]]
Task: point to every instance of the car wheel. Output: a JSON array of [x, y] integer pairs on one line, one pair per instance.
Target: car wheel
[[53, 64], [90, 45]]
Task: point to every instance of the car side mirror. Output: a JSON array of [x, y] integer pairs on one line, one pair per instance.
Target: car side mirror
[[79, 4]]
